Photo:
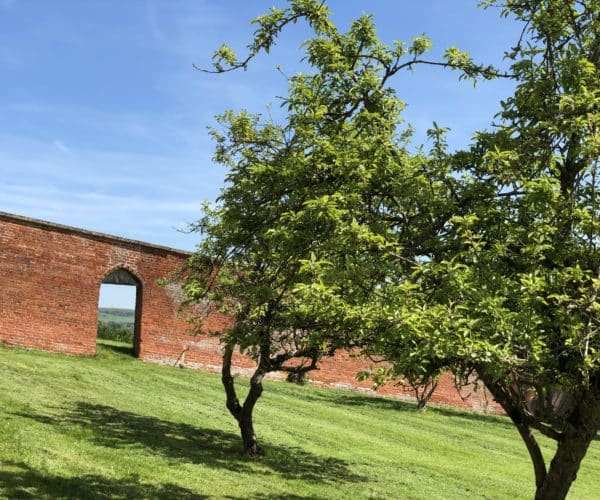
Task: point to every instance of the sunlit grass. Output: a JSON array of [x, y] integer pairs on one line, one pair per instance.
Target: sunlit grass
[[114, 427]]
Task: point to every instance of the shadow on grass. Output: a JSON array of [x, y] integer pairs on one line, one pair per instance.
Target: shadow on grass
[[489, 418], [18, 480], [276, 496], [120, 429], [395, 405], [116, 347], [352, 399]]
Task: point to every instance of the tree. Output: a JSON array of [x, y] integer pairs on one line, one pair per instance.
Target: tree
[[483, 261], [305, 197], [504, 275], [295, 193], [531, 261]]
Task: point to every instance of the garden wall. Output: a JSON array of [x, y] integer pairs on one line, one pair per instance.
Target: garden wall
[[50, 277]]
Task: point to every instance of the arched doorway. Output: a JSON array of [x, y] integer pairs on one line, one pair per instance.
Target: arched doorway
[[120, 309]]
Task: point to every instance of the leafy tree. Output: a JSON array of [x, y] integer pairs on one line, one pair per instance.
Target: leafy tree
[[512, 293], [483, 261], [304, 196], [524, 285], [285, 203], [503, 277], [115, 331]]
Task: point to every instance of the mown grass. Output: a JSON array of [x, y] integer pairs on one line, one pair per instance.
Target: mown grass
[[114, 427]]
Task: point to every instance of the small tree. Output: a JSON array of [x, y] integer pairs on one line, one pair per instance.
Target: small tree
[[294, 202], [305, 197]]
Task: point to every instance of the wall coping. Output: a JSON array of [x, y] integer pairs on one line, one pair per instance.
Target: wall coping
[[85, 233]]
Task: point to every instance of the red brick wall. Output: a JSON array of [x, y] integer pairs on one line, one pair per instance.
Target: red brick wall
[[50, 278]]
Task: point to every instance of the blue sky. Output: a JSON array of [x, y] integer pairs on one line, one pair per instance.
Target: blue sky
[[103, 119]]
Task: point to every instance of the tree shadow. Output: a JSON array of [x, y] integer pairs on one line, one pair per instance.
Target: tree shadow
[[473, 415], [115, 428], [276, 496], [395, 405], [367, 401], [18, 480]]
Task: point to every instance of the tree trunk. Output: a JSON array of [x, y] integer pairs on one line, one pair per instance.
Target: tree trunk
[[537, 459], [582, 426], [564, 467], [423, 391], [243, 413], [512, 410], [231, 401], [251, 446]]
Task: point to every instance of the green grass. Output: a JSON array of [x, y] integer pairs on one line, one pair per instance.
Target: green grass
[[115, 427]]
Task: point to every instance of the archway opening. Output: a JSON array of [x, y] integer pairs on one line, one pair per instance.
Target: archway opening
[[119, 311]]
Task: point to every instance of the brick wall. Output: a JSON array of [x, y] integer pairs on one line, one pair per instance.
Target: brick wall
[[50, 278]]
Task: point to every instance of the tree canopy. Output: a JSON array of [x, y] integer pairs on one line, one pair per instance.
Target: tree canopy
[[332, 232]]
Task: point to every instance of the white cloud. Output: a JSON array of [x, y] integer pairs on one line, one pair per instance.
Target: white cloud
[[185, 33], [135, 195]]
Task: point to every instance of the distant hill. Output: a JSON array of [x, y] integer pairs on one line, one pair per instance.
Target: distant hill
[[123, 318]]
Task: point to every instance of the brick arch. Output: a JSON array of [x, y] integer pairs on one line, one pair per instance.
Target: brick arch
[[134, 274], [122, 274]]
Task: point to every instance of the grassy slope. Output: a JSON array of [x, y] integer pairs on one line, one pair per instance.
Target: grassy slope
[[114, 427]]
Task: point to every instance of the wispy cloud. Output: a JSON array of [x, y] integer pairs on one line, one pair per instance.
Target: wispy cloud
[[185, 33], [140, 218], [61, 147], [164, 129], [136, 195], [66, 200]]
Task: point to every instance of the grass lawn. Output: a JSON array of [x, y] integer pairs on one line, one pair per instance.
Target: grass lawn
[[115, 427]]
